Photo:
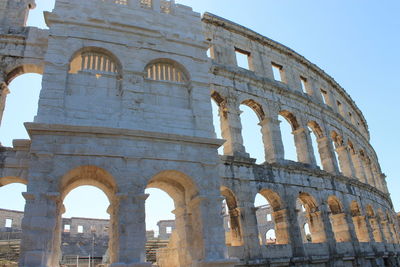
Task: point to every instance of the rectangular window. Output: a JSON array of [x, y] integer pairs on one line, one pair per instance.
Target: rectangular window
[[242, 58], [67, 228], [303, 84], [80, 229], [269, 217], [8, 223], [340, 108], [324, 96], [278, 71], [169, 229]]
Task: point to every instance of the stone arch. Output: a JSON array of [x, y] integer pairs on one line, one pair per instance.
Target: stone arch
[[279, 215], [256, 107], [313, 217], [373, 221], [236, 238], [93, 176], [338, 220], [96, 59], [165, 69], [12, 180], [317, 130], [290, 118], [359, 222], [187, 242], [23, 67]]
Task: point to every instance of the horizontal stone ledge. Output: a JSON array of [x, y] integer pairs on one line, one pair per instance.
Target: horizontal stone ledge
[[40, 128]]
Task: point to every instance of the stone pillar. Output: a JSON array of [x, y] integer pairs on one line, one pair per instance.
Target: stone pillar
[[345, 161], [231, 130], [134, 3], [376, 232], [305, 153], [132, 230], [272, 139], [249, 224], [296, 239], [361, 229], [4, 91], [340, 227], [386, 231], [281, 227], [156, 5], [213, 253], [317, 228], [358, 167], [368, 173], [328, 159], [183, 228], [40, 244], [236, 233]]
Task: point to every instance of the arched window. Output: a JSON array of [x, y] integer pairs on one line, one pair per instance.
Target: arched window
[[166, 71], [93, 61]]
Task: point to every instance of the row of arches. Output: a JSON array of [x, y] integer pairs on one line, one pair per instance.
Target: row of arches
[[283, 136], [313, 219]]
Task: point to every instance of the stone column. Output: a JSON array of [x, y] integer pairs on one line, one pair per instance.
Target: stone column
[[361, 229], [305, 153], [345, 161], [231, 130], [281, 227], [131, 237], [272, 139], [213, 252], [376, 232], [183, 228], [236, 233], [4, 91], [317, 228], [386, 231], [249, 224], [156, 5], [296, 239], [328, 159], [368, 173], [134, 3], [40, 244], [340, 227], [358, 167]]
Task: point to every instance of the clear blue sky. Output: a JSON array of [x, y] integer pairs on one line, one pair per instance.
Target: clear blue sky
[[356, 42]]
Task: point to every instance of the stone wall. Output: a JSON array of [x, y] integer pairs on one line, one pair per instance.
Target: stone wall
[[125, 106]]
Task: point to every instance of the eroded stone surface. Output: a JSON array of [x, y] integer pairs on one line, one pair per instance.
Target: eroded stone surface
[[125, 105]]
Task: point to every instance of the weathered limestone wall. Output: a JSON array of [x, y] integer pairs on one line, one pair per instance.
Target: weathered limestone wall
[[125, 106]]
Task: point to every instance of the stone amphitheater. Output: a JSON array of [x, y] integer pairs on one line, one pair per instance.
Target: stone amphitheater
[[125, 106]]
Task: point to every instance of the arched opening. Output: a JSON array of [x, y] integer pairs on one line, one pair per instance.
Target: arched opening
[[338, 220], [317, 133], [373, 221], [12, 205], [288, 125], [94, 78], [166, 70], [384, 223], [270, 237], [360, 224], [94, 188], [85, 227], [20, 103], [337, 142], [251, 116], [307, 238], [231, 216], [271, 215], [312, 216], [160, 221], [218, 118], [186, 240]]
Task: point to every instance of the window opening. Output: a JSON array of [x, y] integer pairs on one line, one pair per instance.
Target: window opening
[[67, 228], [303, 82], [165, 72], [242, 58], [80, 229], [324, 96], [277, 71], [8, 223]]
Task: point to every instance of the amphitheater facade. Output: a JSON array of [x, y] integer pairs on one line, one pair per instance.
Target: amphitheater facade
[[125, 106]]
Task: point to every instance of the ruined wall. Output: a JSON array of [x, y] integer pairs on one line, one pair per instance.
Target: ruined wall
[[125, 106]]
